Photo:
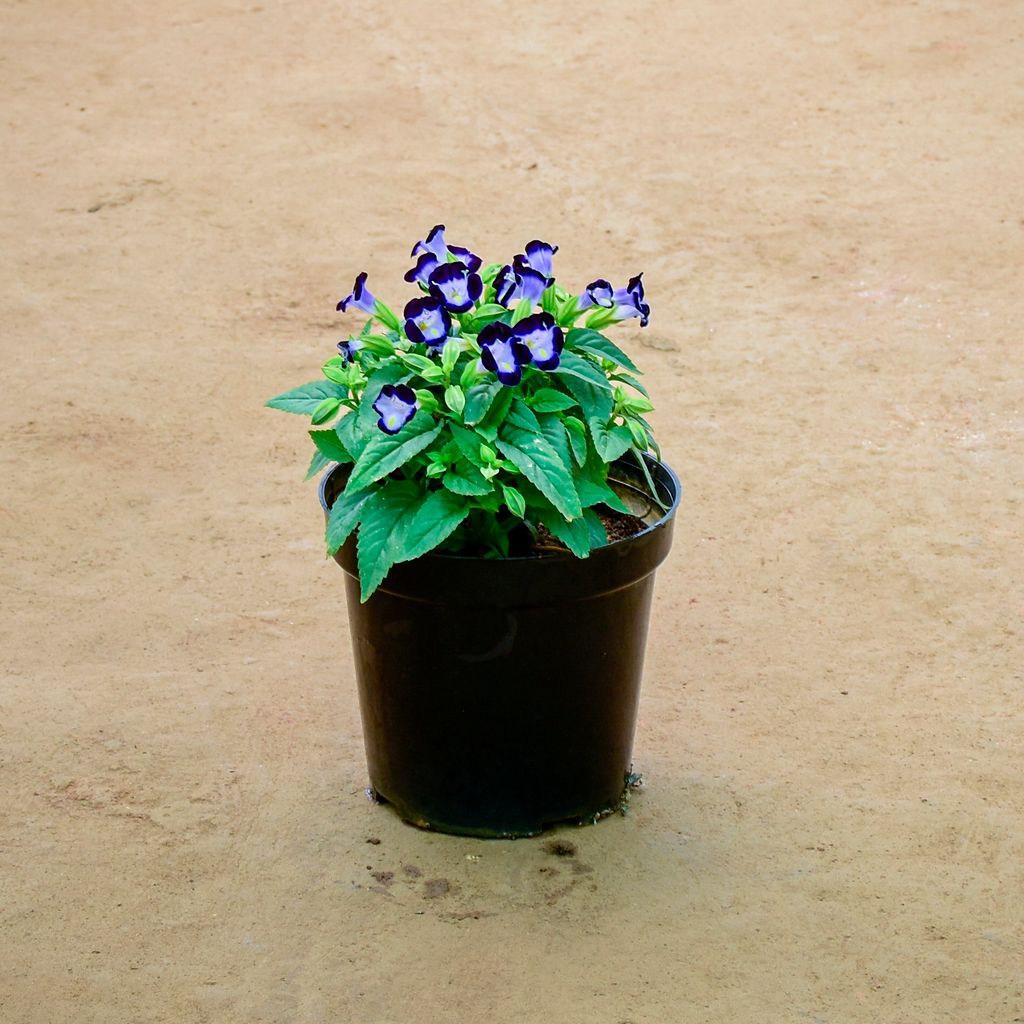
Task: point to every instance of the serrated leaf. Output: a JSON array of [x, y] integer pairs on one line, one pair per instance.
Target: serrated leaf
[[343, 517], [594, 492], [345, 428], [468, 442], [381, 525], [575, 535], [628, 378], [550, 400], [479, 399], [574, 366], [304, 399], [577, 434], [592, 341], [522, 416], [610, 442], [433, 521], [331, 445], [387, 452], [497, 412], [464, 478], [318, 462], [553, 429], [534, 457], [598, 534]]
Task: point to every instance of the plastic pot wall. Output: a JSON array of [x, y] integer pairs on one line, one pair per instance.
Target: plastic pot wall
[[499, 696]]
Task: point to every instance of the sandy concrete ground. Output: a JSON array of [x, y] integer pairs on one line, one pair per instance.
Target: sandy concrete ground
[[828, 203]]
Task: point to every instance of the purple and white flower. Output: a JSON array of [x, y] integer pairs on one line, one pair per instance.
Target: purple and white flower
[[502, 353], [598, 293], [425, 266], [519, 281], [360, 298], [543, 339], [455, 286], [396, 404], [427, 321], [435, 246], [348, 349], [538, 256], [629, 302]]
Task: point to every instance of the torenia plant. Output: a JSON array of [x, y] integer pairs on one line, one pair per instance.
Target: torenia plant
[[493, 404]]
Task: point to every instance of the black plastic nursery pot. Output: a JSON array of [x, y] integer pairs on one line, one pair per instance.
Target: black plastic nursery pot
[[499, 696]]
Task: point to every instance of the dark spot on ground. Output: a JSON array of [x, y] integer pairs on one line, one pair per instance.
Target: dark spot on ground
[[384, 877], [560, 848], [581, 869], [373, 841], [411, 871], [434, 888]]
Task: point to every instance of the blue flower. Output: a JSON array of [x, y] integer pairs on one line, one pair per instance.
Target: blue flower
[[348, 349], [360, 297], [455, 286], [538, 256], [543, 339], [598, 293], [396, 405], [427, 321], [435, 245], [472, 261], [519, 281], [502, 353], [425, 266], [629, 301]]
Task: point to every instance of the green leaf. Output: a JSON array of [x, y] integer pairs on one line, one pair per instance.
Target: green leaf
[[464, 478], [387, 452], [331, 445], [524, 307], [478, 400], [345, 428], [651, 489], [638, 434], [382, 523], [514, 500], [325, 410], [550, 400], [595, 492], [455, 399], [469, 442], [304, 399], [343, 517], [610, 442], [628, 378], [521, 415], [549, 300], [534, 457], [553, 429], [482, 316], [498, 411], [434, 520], [575, 535], [335, 369], [574, 366], [317, 463], [450, 353], [591, 341], [598, 534], [577, 438]]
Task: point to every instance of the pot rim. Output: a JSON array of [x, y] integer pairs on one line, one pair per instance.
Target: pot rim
[[665, 518]]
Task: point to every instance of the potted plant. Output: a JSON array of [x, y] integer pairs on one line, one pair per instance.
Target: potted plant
[[497, 501]]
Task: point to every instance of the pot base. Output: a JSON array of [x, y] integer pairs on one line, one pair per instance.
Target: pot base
[[631, 782]]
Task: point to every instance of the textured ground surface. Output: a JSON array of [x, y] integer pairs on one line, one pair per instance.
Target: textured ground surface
[[827, 201]]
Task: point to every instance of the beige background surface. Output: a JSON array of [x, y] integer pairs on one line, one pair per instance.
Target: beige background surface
[[828, 202]]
